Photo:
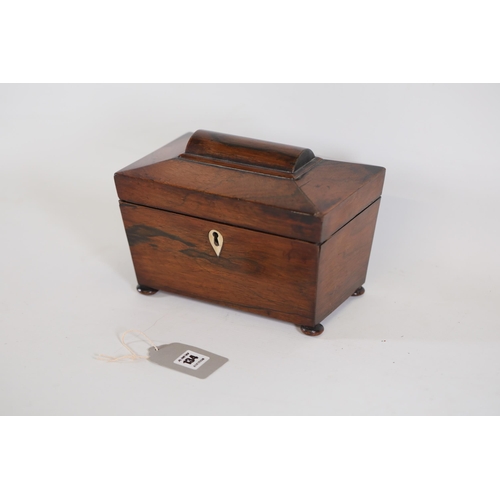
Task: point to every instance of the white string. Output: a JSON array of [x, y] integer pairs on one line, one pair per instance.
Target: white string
[[133, 355]]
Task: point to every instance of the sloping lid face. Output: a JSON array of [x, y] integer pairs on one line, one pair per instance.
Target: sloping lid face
[[257, 185]]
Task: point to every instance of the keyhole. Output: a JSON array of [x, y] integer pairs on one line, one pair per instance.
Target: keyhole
[[216, 240]]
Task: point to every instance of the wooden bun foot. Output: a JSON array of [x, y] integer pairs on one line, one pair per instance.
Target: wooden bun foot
[[146, 290], [358, 291], [312, 331]]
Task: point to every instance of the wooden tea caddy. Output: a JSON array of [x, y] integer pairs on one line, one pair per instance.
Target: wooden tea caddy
[[254, 225]]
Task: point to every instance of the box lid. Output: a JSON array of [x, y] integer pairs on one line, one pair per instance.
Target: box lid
[[259, 185]]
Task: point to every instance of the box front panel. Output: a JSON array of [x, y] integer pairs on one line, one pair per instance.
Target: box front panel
[[256, 272]]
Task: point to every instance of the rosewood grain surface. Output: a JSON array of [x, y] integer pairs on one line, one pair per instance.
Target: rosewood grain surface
[[340, 191], [255, 272], [297, 229], [235, 149], [170, 150], [192, 198], [343, 261], [310, 207]]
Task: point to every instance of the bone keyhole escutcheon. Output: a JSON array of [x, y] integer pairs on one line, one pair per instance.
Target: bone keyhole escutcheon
[[216, 240]]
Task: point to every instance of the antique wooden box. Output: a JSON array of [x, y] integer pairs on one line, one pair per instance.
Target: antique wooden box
[[257, 226]]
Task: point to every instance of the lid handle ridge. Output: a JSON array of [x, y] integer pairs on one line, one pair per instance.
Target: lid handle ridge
[[241, 150]]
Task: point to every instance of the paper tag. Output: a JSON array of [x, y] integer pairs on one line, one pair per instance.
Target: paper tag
[[187, 359], [191, 359]]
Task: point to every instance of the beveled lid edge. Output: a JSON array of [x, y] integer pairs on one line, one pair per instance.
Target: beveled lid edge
[[167, 152]]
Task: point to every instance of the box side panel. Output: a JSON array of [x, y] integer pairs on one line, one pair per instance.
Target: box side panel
[[344, 261], [353, 205], [255, 272], [341, 190]]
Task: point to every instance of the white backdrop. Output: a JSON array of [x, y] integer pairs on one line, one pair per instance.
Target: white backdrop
[[424, 339]]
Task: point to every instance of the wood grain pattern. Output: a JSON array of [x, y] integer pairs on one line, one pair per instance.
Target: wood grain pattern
[[340, 191], [255, 272], [310, 207], [170, 150], [296, 229], [235, 149], [343, 261], [272, 205]]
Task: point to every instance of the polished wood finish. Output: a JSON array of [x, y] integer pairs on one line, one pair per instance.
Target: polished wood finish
[[269, 204], [312, 331], [146, 290], [310, 207], [341, 191], [255, 272], [359, 291], [167, 152], [343, 262], [247, 154], [296, 229]]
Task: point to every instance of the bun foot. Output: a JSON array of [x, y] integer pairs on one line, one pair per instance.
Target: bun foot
[[146, 290], [312, 331], [358, 291]]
